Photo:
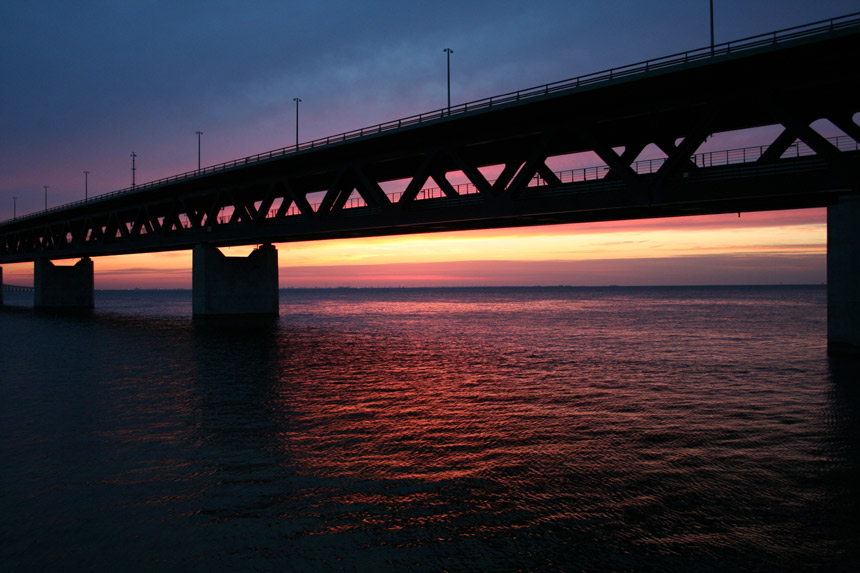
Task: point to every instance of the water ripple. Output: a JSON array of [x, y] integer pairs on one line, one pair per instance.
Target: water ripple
[[474, 429]]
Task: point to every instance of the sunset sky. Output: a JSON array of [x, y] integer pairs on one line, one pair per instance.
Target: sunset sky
[[86, 84]]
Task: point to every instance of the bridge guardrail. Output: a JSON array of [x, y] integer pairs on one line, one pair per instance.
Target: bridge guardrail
[[680, 58]]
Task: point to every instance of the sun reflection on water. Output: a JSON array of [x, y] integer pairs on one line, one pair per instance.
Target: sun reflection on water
[[557, 429]]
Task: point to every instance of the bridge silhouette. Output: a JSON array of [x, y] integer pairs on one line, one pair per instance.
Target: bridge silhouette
[[402, 176]]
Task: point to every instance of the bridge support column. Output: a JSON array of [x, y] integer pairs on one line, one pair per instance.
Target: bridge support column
[[233, 286], [1, 286], [68, 287], [843, 276]]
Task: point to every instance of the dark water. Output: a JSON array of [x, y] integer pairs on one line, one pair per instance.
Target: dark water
[[657, 429]]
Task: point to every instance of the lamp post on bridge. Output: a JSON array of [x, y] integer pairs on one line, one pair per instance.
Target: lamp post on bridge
[[14, 207], [712, 27], [199, 133], [86, 182], [298, 101], [449, 51], [46, 197], [133, 168]]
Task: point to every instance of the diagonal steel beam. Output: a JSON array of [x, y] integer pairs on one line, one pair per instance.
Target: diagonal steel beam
[[619, 165], [845, 122], [505, 177], [332, 196], [171, 219], [441, 179], [279, 189], [214, 209], [547, 175], [241, 212], [193, 217], [794, 131], [266, 204], [300, 199], [472, 173], [370, 190], [799, 126], [678, 157], [777, 147], [813, 139], [533, 163], [139, 220], [418, 180]]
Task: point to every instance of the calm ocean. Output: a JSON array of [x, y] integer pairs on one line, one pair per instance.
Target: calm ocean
[[486, 429]]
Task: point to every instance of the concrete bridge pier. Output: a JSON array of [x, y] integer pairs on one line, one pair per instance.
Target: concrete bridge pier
[[234, 286], [843, 276], [66, 287]]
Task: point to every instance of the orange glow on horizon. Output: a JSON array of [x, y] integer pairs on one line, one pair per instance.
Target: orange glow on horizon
[[445, 258]]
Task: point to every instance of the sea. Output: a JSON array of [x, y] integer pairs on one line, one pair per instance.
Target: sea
[[440, 429]]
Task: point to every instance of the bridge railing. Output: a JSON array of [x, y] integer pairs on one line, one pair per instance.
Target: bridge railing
[[705, 159], [772, 38]]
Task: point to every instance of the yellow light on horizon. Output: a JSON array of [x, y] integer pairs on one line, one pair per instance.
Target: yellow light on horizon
[[682, 237]]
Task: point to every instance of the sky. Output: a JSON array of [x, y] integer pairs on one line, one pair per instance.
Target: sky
[[85, 84]]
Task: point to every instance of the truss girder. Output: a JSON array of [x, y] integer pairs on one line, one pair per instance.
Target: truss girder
[[184, 221]]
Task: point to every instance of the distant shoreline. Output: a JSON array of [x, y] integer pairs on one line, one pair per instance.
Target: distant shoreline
[[470, 287], [490, 287]]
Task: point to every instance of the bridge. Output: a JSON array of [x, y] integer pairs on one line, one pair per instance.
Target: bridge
[[401, 176]]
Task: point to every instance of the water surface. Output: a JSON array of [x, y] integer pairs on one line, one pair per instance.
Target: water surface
[[428, 429]]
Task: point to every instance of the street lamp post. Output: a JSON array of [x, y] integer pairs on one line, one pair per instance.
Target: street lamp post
[[14, 207], [449, 51], [199, 133], [86, 182], [133, 168], [46, 197], [298, 101], [712, 27]]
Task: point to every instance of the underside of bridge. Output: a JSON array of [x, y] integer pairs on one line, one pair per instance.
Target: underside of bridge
[[376, 182]]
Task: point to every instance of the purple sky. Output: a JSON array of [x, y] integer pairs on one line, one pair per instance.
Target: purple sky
[[85, 84]]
